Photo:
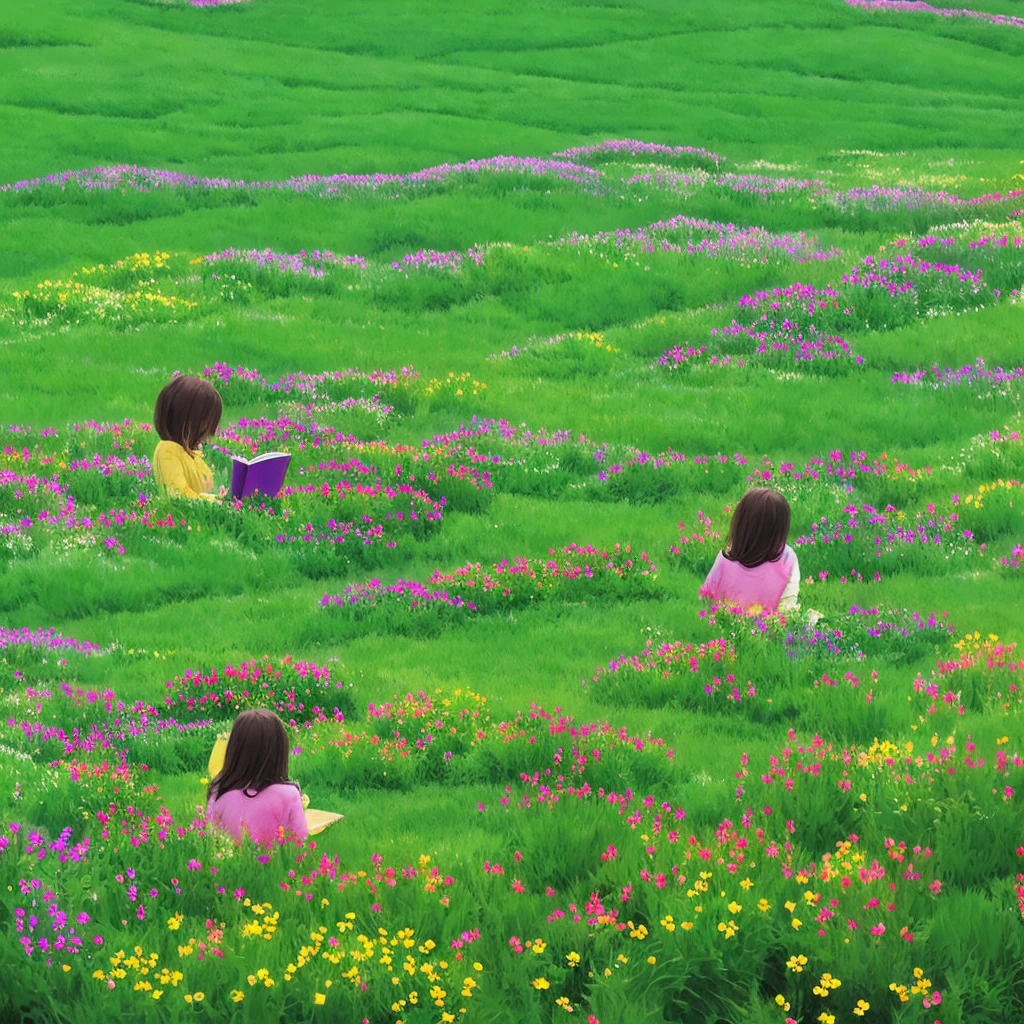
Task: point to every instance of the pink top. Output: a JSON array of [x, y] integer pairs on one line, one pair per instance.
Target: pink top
[[764, 585], [260, 815]]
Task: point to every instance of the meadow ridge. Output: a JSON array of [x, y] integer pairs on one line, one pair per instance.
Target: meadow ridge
[[532, 299]]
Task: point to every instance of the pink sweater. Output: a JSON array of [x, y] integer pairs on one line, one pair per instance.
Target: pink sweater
[[260, 815], [772, 585]]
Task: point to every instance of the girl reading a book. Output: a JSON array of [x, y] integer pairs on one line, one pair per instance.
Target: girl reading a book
[[758, 567], [251, 794], [187, 414]]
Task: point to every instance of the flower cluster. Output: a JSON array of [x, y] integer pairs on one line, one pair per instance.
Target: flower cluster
[[663, 673], [578, 340], [131, 178], [920, 7], [575, 572], [301, 264], [675, 357], [613, 149], [974, 375], [693, 236]]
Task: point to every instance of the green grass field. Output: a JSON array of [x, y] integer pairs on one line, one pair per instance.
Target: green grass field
[[570, 787]]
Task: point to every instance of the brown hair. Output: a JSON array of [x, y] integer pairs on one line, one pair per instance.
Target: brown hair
[[187, 412], [759, 528], [256, 757]]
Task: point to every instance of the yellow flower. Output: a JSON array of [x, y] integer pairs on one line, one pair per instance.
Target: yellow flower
[[796, 922], [199, 997], [861, 1008], [478, 966], [319, 998], [763, 905], [573, 958], [652, 960], [237, 995], [540, 984], [789, 905], [734, 907]]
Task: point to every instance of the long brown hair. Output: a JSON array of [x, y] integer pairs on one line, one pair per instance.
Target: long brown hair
[[187, 412], [256, 757], [759, 528]]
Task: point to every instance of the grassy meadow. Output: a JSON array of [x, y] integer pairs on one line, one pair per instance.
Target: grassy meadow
[[773, 243]]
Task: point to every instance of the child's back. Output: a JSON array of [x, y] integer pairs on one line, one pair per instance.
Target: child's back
[[771, 585], [260, 816], [181, 473]]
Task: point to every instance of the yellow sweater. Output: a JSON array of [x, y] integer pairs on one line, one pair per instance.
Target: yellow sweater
[[181, 473]]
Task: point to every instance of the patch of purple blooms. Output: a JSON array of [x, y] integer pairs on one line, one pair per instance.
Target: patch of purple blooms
[[406, 592], [431, 259], [805, 344], [145, 179], [504, 430], [893, 274], [307, 383], [902, 623], [634, 147], [972, 373], [45, 640], [677, 356], [881, 531], [920, 7], [310, 264], [874, 198], [806, 320], [706, 238]]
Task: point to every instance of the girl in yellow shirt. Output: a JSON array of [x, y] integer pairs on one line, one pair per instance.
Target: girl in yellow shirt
[[187, 413]]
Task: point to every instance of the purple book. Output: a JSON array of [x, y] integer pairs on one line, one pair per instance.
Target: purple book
[[264, 473]]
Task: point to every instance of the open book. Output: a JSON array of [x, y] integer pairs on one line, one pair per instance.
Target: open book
[[264, 473], [316, 820]]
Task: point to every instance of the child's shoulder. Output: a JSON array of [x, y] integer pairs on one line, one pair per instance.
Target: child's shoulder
[[283, 791], [169, 448]]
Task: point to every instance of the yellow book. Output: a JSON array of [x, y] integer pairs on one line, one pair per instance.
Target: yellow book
[[316, 820]]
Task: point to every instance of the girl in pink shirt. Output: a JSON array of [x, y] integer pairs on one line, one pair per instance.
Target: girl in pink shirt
[[757, 567], [251, 794]]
